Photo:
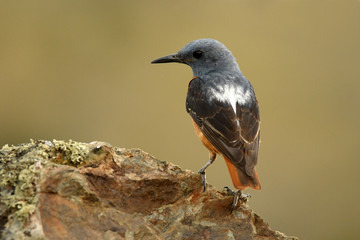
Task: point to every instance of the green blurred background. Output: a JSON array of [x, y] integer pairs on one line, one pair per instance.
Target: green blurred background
[[81, 70]]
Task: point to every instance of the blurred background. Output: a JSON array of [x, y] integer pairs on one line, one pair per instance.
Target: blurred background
[[81, 70]]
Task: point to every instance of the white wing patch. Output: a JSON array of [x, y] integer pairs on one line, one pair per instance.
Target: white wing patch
[[232, 94]]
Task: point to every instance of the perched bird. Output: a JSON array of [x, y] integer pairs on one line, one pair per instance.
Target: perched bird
[[224, 109]]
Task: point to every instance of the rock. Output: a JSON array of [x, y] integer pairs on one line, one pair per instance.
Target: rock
[[70, 190]]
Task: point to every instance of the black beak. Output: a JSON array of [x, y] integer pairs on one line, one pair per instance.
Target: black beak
[[171, 58]]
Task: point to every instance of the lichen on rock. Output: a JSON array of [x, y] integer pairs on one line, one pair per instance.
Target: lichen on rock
[[70, 190], [20, 173], [70, 153]]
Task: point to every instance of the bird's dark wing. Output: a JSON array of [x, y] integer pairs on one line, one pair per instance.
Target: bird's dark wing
[[235, 135]]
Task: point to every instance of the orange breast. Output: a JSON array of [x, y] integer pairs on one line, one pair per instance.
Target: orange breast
[[203, 139]]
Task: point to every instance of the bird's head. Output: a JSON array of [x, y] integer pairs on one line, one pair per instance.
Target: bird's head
[[203, 56]]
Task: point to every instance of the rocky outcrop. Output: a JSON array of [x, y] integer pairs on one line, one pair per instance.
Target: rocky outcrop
[[70, 190]]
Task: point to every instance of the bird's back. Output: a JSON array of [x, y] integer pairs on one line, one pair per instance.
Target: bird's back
[[225, 109]]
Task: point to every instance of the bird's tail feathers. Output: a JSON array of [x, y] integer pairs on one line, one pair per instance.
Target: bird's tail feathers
[[240, 179]]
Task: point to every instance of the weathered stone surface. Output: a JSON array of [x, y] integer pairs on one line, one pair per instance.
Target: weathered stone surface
[[69, 190]]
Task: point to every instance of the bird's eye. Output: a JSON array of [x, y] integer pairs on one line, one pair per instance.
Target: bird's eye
[[197, 54]]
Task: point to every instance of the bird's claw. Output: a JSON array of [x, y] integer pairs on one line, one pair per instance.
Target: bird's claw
[[238, 196]]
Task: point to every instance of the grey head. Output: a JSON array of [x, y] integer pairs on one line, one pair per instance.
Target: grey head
[[204, 56]]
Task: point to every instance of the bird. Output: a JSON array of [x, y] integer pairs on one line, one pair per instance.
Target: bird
[[224, 111]]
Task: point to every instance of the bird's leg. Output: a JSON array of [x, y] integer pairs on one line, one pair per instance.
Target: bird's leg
[[238, 195], [202, 170]]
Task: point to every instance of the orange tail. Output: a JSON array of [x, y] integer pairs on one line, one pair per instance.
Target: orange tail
[[241, 180]]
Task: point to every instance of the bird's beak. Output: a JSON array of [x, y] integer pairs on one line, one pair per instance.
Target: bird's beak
[[171, 58]]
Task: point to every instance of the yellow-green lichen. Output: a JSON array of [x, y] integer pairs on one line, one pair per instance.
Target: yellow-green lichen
[[70, 153], [20, 172]]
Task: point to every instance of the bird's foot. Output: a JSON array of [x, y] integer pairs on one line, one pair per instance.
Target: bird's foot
[[238, 196], [203, 179]]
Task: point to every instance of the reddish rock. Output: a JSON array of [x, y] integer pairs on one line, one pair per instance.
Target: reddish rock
[[70, 190]]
